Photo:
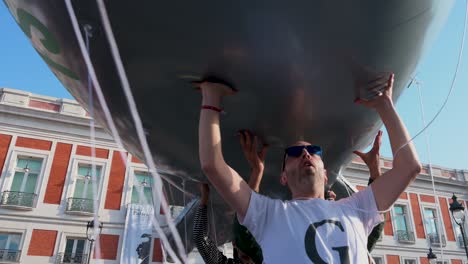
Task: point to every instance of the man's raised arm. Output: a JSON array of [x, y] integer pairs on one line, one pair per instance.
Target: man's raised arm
[[406, 165], [227, 181]]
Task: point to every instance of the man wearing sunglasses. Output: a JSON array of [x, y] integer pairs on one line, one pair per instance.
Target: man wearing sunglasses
[[309, 229]]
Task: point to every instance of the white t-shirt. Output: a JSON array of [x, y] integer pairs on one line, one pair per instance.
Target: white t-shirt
[[315, 230]]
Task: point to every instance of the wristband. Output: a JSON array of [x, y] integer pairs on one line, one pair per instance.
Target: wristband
[[214, 108]]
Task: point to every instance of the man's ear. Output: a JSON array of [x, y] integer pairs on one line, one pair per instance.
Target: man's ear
[[283, 179], [325, 176]]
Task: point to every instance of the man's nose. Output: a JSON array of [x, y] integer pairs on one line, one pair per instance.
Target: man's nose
[[305, 153]]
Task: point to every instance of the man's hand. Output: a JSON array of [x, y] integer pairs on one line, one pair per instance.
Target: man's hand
[[212, 92], [372, 158], [382, 99], [406, 165], [205, 193], [256, 159]]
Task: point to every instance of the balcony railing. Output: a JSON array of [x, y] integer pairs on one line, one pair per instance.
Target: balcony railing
[[404, 236], [19, 200], [71, 258], [79, 206], [460, 241], [9, 255], [435, 240]]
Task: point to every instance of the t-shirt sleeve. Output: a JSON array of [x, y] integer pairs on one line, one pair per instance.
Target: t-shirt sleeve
[[256, 218], [364, 202]]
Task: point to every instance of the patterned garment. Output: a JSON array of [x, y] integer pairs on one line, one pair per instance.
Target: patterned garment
[[207, 248], [376, 232]]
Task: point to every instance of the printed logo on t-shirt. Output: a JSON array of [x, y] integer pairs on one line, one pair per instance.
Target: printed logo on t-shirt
[[311, 247]]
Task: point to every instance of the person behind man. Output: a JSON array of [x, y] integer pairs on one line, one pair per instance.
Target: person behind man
[[372, 160], [309, 228], [246, 249]]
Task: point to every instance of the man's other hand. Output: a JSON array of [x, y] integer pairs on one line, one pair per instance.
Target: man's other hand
[[382, 98]]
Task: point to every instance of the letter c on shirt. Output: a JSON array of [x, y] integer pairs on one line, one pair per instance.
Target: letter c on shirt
[[311, 247]]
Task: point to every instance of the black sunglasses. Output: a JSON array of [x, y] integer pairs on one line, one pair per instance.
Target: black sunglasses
[[296, 151]]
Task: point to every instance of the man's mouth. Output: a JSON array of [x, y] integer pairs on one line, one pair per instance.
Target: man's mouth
[[307, 163]]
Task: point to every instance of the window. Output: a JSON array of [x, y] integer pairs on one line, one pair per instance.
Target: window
[[403, 232], [142, 185], [74, 251], [86, 189], [409, 261], [432, 228], [10, 247], [458, 234], [22, 191], [378, 259]]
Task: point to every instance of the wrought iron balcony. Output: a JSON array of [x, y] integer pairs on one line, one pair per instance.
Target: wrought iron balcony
[[404, 236], [9, 255], [79, 206], [434, 240], [460, 241], [18, 200], [71, 258]]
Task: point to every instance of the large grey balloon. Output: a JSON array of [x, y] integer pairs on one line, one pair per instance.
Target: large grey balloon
[[296, 65]]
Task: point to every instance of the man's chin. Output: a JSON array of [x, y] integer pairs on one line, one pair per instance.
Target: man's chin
[[309, 172]]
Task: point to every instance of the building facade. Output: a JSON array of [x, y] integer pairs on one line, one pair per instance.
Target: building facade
[[49, 187], [419, 220]]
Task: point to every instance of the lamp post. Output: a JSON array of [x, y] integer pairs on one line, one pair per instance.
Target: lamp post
[[458, 214], [431, 257], [91, 231]]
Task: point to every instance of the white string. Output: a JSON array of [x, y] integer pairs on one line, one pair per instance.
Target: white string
[[138, 124], [213, 222], [92, 135], [106, 110], [460, 55], [185, 218], [428, 150]]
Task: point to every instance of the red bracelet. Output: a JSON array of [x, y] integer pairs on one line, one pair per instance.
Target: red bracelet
[[214, 108]]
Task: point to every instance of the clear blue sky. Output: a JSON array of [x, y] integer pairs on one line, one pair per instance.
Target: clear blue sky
[[21, 68]]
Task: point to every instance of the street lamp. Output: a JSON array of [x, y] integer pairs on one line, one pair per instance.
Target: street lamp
[[431, 257], [458, 214], [91, 231]]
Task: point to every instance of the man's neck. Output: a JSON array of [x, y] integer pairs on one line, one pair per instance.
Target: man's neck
[[307, 196]]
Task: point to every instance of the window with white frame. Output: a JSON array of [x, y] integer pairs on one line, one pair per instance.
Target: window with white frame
[[74, 252], [403, 229], [405, 260], [10, 247], [458, 234], [22, 190], [431, 223], [378, 259], [86, 188], [142, 189]]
